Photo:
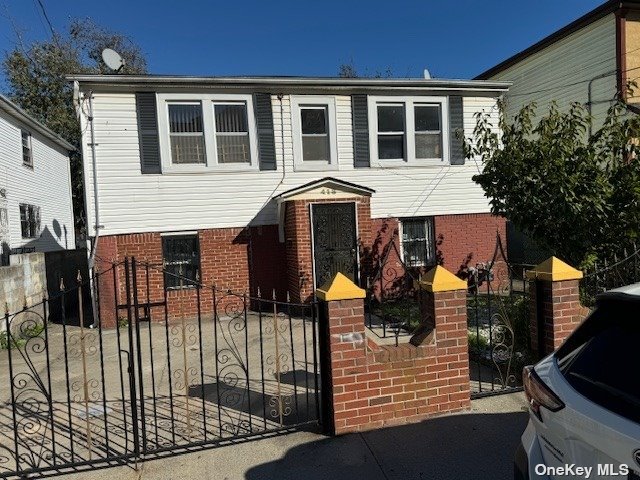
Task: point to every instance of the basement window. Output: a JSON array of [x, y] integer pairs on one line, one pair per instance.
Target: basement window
[[417, 242], [181, 260]]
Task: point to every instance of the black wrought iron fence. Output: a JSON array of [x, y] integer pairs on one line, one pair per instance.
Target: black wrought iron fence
[[497, 324], [392, 308], [216, 366], [621, 270]]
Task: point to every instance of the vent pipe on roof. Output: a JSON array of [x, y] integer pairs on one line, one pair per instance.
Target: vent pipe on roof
[[427, 75]]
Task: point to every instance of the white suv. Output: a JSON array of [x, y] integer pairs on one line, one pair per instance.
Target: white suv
[[584, 399]]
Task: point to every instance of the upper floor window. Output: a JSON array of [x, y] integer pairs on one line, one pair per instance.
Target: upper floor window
[[314, 132], [27, 153], [29, 221], [206, 131], [408, 130], [428, 132], [187, 133], [417, 242], [391, 131], [232, 133]]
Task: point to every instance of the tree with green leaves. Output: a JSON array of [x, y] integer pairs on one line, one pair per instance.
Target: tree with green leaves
[[574, 194], [35, 75]]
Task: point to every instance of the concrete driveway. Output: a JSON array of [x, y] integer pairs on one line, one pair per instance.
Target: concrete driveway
[[476, 445]]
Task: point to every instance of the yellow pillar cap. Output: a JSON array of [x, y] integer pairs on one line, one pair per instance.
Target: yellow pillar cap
[[339, 288], [439, 279], [554, 270]]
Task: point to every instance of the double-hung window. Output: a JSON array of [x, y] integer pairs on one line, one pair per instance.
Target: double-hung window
[[232, 133], [428, 131], [181, 259], [204, 132], [27, 152], [418, 242], [391, 131], [408, 131], [186, 131], [29, 221], [315, 134], [314, 129]]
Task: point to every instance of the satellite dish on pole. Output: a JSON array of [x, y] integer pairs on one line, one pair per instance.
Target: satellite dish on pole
[[112, 59]]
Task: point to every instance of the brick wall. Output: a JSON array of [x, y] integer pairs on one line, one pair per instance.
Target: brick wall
[[252, 258], [225, 259], [464, 240], [374, 386]]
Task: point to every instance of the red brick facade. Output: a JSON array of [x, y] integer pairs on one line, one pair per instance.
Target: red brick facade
[[464, 240], [374, 386], [244, 260]]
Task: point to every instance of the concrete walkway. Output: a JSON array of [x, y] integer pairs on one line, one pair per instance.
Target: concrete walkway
[[476, 445]]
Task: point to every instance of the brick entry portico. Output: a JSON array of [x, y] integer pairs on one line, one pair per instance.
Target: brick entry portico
[[297, 229]]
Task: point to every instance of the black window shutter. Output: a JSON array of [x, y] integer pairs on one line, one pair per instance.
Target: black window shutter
[[148, 132], [264, 122], [360, 112], [456, 130]]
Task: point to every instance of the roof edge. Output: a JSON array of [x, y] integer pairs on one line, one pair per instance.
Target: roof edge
[[581, 22], [318, 82], [19, 114]]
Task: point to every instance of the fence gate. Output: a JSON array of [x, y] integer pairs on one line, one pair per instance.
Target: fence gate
[[498, 324], [180, 369]]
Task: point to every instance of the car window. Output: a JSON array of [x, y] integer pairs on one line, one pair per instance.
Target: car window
[[601, 359]]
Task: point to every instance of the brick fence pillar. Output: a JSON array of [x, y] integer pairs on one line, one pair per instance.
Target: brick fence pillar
[[443, 313], [554, 308], [344, 352], [367, 385]]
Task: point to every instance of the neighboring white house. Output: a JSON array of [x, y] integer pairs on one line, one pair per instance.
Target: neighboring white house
[[36, 211], [588, 61], [224, 175]]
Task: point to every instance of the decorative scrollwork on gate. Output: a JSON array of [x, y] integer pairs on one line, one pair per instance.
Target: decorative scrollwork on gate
[[493, 315], [27, 346], [233, 374]]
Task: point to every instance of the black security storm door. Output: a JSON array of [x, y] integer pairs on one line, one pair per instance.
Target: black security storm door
[[334, 241]]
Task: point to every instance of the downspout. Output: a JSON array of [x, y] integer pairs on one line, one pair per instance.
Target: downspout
[[96, 206]]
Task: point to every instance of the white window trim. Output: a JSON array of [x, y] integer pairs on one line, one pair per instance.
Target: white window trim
[[298, 101], [207, 101], [30, 147], [409, 134]]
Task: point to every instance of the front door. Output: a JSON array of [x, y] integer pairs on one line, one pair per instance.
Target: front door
[[334, 241]]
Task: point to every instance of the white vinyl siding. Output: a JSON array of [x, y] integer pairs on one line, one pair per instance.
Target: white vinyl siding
[[220, 198], [46, 185], [562, 72]]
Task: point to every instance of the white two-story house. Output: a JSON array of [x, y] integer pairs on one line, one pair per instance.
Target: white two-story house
[[36, 212], [277, 183]]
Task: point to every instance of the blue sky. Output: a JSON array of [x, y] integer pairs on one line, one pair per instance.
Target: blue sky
[[277, 37]]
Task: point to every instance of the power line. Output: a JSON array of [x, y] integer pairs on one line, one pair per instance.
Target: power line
[[46, 17]]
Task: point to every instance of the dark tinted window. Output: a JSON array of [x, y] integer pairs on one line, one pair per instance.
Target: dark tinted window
[[601, 359], [181, 258]]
